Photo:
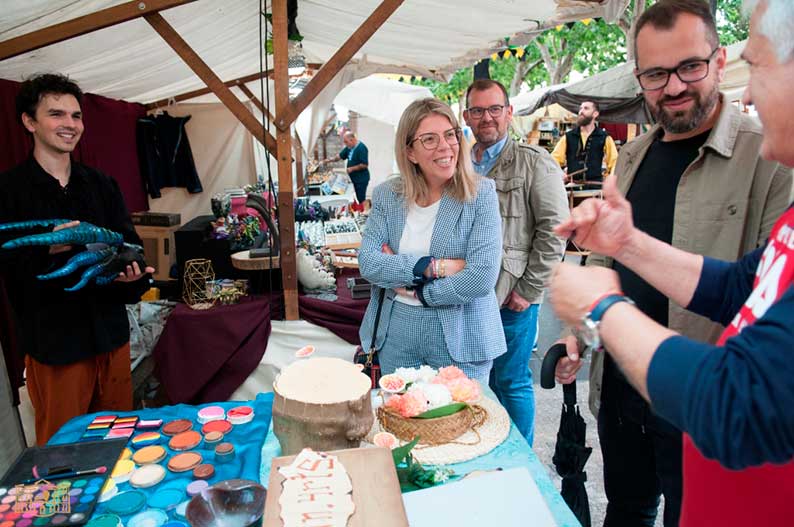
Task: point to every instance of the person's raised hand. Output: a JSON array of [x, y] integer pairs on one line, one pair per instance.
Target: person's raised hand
[[574, 289], [601, 225], [568, 366], [133, 272]]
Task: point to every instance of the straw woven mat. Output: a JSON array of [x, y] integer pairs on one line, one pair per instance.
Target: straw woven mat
[[492, 433]]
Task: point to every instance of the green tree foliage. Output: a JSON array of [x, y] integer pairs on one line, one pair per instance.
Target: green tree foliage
[[588, 48]]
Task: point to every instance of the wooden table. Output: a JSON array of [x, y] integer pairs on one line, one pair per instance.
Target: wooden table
[[241, 260]]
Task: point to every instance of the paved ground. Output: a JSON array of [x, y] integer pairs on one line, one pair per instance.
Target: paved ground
[[548, 405]]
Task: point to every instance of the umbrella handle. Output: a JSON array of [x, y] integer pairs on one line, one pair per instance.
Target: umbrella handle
[[553, 356]]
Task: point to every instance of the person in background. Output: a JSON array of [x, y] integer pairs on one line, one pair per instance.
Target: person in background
[[532, 201], [585, 149], [357, 156], [433, 241], [696, 180], [734, 400], [76, 344]]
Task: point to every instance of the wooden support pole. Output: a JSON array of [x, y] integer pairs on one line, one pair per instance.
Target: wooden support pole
[[82, 25], [298, 147], [212, 81], [286, 210], [335, 63], [262, 108]]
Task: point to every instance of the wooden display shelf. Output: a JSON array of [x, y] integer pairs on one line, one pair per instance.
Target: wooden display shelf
[[159, 249]]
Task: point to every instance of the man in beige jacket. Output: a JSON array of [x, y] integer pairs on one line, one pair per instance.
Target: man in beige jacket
[[531, 201], [695, 180]]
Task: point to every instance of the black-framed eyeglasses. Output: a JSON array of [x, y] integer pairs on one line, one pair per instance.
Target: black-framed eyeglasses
[[494, 111], [431, 140], [689, 71]]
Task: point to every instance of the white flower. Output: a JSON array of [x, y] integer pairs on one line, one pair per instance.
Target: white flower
[[437, 394], [423, 373], [426, 373]]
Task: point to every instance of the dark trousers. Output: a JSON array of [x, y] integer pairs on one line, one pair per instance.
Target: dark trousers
[[360, 184], [642, 459]]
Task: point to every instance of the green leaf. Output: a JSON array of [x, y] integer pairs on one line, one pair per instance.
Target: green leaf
[[401, 452], [442, 411]]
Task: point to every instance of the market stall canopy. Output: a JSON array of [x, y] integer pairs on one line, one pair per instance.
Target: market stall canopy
[[618, 93], [381, 99], [130, 61]]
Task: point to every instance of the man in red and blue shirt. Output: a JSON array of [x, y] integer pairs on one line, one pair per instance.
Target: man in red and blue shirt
[[734, 400]]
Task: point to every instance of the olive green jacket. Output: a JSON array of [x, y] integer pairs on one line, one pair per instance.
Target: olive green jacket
[[532, 201], [727, 202]]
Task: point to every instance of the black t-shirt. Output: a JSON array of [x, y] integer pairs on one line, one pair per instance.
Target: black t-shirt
[[55, 326], [652, 197]]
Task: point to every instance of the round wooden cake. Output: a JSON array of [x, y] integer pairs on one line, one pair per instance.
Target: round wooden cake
[[321, 403]]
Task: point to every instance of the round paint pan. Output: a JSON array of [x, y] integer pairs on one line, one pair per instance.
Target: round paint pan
[[148, 518], [185, 440], [147, 476], [184, 461], [166, 499], [122, 471], [149, 454], [211, 413], [178, 426], [105, 520], [126, 503], [196, 487], [205, 471], [224, 427]]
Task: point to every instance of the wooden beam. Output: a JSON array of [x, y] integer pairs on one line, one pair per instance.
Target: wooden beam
[[82, 25], [212, 81], [298, 147], [286, 210], [204, 91], [287, 114], [262, 108]]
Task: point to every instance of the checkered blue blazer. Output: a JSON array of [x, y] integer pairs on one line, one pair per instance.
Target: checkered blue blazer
[[465, 302]]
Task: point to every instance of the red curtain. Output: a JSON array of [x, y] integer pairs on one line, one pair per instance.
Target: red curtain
[[618, 131], [108, 143]]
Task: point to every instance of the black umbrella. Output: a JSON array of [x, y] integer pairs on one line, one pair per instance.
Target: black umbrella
[[570, 452]]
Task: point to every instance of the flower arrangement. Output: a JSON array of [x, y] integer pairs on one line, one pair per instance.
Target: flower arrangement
[[428, 393], [241, 231]]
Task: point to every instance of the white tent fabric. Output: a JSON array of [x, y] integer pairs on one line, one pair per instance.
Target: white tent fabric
[[130, 61], [381, 99]]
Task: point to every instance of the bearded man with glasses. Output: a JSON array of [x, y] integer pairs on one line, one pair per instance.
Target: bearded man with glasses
[[696, 181], [531, 201]]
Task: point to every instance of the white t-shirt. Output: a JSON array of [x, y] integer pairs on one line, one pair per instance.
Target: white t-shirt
[[417, 233]]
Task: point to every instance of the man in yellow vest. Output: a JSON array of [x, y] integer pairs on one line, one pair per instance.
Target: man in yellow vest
[[585, 149]]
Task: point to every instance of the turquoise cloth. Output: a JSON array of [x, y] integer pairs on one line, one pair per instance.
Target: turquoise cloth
[[247, 440], [513, 452]]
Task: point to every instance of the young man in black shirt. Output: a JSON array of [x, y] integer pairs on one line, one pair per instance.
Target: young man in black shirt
[[696, 180], [76, 344]]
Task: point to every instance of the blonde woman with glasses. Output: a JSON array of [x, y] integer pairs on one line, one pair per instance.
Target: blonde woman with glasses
[[433, 242]]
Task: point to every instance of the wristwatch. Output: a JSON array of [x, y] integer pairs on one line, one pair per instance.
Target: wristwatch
[[592, 318]]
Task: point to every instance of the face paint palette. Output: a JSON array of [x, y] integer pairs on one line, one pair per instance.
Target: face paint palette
[[29, 499]]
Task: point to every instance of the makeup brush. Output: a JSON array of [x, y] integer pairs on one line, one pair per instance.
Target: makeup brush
[[70, 474]]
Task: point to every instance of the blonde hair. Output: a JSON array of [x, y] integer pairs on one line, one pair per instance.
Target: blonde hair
[[412, 185]]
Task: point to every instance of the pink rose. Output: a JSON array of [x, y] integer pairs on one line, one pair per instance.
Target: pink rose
[[450, 373], [414, 403], [464, 390], [395, 402]]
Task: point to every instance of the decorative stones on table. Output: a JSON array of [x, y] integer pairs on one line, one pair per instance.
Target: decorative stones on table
[[321, 403]]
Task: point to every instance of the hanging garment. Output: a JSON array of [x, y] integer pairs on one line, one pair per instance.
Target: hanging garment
[[165, 156]]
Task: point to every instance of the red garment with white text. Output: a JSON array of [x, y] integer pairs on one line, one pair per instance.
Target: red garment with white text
[[713, 494]]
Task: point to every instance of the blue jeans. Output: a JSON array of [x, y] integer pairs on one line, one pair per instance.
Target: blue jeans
[[511, 378]]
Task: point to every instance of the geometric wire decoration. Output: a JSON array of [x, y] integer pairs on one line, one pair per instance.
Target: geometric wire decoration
[[194, 285]]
